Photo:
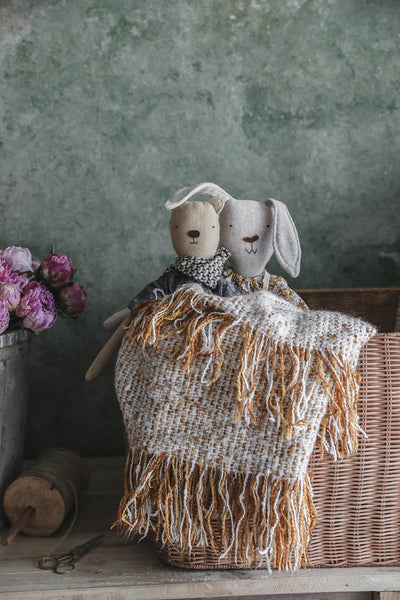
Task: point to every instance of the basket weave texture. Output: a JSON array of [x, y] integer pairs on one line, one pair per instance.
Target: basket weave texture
[[357, 498]]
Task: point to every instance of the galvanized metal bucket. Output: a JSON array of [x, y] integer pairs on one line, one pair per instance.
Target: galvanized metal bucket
[[14, 358]]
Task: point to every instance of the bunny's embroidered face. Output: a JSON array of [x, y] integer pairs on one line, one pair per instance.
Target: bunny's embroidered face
[[195, 228], [252, 231], [246, 233]]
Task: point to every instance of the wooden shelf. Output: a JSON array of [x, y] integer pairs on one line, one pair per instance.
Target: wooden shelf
[[119, 570]]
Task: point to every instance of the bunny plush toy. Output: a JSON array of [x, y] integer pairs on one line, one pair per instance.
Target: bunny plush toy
[[252, 232], [195, 236]]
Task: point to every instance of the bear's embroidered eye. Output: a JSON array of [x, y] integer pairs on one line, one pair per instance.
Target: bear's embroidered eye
[[213, 226], [176, 226], [230, 225], [268, 225]]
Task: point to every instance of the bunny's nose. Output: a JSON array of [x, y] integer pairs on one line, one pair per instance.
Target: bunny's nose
[[252, 239], [194, 233]]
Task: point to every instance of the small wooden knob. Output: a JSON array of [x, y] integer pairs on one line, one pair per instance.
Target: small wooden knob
[[46, 500]]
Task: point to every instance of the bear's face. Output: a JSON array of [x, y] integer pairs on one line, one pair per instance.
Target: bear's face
[[247, 233], [195, 229]]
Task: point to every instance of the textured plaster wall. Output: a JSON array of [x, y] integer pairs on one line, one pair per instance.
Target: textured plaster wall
[[107, 106]]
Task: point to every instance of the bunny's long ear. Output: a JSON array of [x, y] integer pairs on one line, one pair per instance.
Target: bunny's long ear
[[285, 240], [208, 189]]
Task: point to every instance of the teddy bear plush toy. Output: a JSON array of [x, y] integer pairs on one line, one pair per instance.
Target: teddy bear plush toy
[[252, 232], [195, 232]]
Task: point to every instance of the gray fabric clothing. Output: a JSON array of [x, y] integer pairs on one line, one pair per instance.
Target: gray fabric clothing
[[170, 280]]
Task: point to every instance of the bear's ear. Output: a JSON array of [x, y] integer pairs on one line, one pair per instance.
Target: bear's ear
[[217, 203]]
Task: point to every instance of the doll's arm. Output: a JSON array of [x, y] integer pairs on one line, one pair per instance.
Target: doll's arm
[[156, 289], [116, 319], [159, 288], [107, 350], [152, 291]]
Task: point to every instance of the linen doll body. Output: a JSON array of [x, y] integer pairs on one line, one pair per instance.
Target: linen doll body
[[195, 236]]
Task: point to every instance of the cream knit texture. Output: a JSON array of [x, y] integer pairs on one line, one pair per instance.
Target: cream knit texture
[[223, 401]]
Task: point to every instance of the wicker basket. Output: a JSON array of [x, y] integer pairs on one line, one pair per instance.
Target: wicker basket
[[357, 499]]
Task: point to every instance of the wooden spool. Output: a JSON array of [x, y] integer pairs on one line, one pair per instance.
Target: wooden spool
[[50, 487]]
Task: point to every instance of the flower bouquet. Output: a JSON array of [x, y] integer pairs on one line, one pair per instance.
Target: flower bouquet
[[32, 292]]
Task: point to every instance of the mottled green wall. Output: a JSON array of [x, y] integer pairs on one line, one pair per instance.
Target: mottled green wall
[[107, 106]]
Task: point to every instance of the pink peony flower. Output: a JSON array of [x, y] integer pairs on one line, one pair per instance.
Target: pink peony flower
[[57, 269], [18, 281], [4, 316], [37, 308], [5, 270], [18, 259], [73, 299], [11, 294]]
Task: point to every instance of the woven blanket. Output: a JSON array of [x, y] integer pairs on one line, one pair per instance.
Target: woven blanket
[[223, 401]]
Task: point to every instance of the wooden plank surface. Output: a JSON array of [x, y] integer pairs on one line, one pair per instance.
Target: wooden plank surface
[[119, 570]]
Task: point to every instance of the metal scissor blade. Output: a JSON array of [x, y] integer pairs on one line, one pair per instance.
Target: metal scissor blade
[[84, 548]]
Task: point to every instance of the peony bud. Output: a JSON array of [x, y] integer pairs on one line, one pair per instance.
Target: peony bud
[[73, 299], [57, 269], [18, 259]]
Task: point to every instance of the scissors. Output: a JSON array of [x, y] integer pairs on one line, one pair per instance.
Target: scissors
[[65, 563]]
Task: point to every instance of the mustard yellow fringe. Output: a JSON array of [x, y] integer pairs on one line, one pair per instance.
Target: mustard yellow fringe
[[261, 521], [277, 387]]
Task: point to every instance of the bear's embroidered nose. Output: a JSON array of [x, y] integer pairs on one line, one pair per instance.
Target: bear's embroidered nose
[[193, 233], [251, 240]]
